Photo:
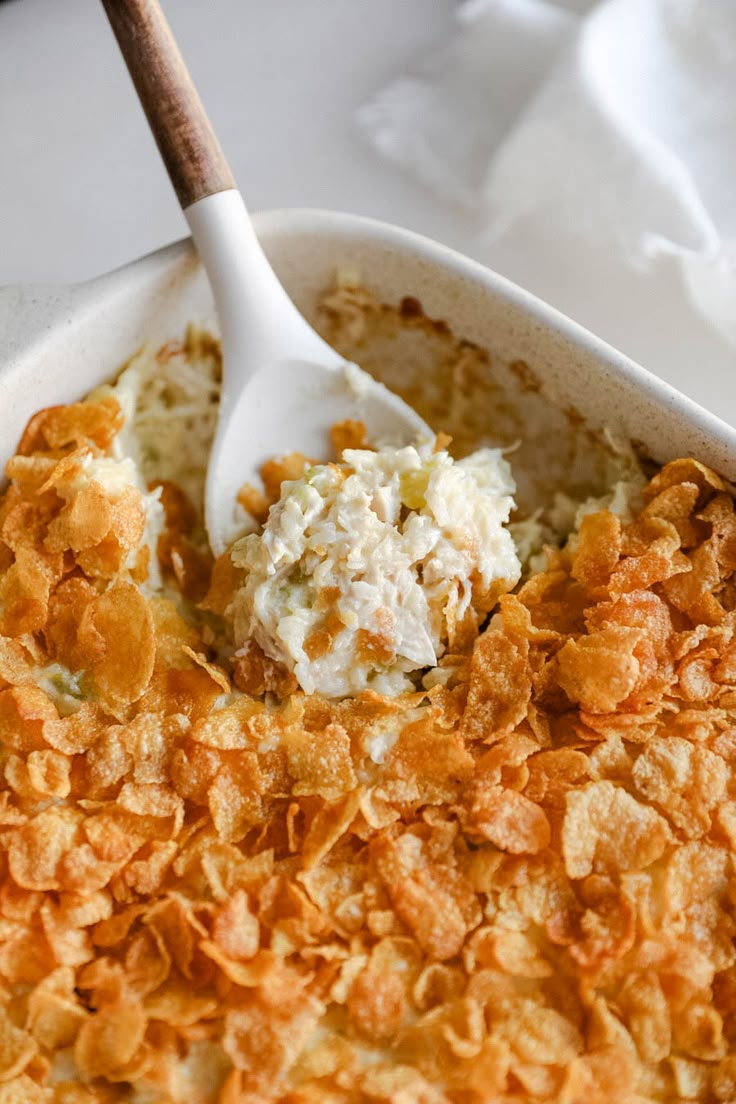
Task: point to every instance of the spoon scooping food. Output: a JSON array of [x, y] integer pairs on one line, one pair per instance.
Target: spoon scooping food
[[283, 387]]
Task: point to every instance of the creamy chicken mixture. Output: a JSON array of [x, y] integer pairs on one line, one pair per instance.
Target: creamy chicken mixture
[[369, 569]]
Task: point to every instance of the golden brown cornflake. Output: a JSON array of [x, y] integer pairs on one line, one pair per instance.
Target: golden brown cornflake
[[91, 517], [275, 472], [518, 885], [378, 999], [25, 589], [254, 502], [683, 779], [500, 683], [324, 767], [427, 757], [686, 472], [507, 819], [116, 637], [61, 427], [55, 1014], [434, 899], [17, 666], [257, 502], [108, 1041], [57, 520], [598, 550], [265, 1033], [217, 674], [349, 434], [24, 712], [606, 829]]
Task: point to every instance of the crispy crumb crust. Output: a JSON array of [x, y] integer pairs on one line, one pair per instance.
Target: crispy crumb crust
[[208, 898]]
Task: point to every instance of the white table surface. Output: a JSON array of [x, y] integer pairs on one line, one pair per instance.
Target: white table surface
[[82, 189]]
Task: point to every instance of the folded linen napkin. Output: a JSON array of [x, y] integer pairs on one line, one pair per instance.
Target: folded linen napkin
[[594, 144]]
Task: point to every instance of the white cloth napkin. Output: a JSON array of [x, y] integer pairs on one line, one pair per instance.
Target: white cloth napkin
[[595, 145]]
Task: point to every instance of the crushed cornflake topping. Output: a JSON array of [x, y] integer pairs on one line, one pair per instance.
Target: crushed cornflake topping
[[517, 885], [369, 569]]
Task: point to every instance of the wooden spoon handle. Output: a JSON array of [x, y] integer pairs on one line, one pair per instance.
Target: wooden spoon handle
[[183, 133]]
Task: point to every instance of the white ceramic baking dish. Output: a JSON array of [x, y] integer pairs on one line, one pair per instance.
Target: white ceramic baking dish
[[58, 343]]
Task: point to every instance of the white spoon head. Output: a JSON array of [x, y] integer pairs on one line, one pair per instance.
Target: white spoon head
[[291, 407]]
